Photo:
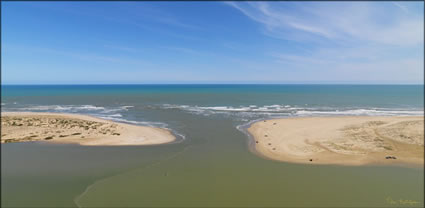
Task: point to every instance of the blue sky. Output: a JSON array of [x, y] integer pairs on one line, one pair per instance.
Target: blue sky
[[212, 42]]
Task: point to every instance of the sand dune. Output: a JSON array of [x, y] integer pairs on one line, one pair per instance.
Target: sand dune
[[81, 129], [341, 140]]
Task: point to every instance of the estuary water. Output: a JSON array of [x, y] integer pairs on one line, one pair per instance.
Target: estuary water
[[211, 164]]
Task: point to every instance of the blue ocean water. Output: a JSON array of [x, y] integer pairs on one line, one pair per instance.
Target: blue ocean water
[[242, 102]]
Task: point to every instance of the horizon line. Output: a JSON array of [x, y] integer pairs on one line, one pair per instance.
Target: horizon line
[[70, 84]]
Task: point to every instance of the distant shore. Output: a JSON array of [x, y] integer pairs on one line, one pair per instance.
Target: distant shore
[[345, 140], [80, 129]]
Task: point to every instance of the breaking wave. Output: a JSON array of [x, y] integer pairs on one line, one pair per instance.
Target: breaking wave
[[288, 110], [69, 108], [144, 123], [108, 113]]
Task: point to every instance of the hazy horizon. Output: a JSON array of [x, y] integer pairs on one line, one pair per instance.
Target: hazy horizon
[[217, 83]]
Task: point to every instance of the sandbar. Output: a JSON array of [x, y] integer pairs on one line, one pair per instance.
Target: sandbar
[[344, 140], [79, 129]]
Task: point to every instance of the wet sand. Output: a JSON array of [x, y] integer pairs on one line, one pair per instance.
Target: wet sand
[[80, 129], [354, 140]]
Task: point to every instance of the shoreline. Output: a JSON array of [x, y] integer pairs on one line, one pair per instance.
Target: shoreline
[[264, 142], [78, 129]]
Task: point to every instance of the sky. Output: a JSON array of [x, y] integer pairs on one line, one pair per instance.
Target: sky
[[212, 42]]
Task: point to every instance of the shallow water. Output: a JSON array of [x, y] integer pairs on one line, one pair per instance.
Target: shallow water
[[212, 166]]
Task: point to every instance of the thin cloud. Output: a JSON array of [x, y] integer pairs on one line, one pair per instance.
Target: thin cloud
[[279, 23], [402, 7], [344, 22], [346, 41], [356, 62]]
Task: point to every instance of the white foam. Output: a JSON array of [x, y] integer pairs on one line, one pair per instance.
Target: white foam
[[250, 108], [285, 110], [126, 107], [117, 109], [97, 111], [62, 107], [225, 108], [144, 123], [368, 112]]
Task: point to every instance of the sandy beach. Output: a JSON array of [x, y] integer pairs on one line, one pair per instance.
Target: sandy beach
[[80, 129], [358, 140]]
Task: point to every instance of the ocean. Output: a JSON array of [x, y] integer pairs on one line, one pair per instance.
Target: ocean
[[211, 163]]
